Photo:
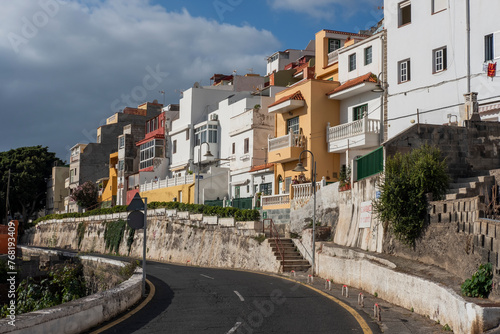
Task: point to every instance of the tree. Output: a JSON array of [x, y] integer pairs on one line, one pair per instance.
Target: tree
[[407, 180], [29, 168], [85, 195]]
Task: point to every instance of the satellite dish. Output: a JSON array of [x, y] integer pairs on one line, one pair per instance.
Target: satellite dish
[[196, 85]]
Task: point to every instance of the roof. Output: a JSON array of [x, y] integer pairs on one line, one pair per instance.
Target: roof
[[261, 167], [369, 77], [145, 140], [295, 96], [345, 33], [301, 67]]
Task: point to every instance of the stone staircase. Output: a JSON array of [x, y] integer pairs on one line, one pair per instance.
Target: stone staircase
[[293, 260], [470, 187]]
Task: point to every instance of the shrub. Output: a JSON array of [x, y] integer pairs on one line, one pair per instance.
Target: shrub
[[85, 195], [480, 283], [407, 180]]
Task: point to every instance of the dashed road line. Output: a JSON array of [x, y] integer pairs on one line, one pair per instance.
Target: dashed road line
[[207, 276], [239, 296], [232, 330]]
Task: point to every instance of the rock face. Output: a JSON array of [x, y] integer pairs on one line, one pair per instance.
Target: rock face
[[168, 239]]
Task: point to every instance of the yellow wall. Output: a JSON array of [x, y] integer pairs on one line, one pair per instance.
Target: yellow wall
[[110, 186], [313, 120], [322, 70], [168, 194]]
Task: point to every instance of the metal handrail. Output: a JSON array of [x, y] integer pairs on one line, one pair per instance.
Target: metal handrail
[[274, 234]]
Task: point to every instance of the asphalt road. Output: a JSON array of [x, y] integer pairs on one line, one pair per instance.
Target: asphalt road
[[201, 300]]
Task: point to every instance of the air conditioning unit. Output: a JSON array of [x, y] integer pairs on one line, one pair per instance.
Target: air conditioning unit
[[213, 117]]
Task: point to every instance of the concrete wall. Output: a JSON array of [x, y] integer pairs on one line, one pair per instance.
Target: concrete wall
[[81, 314], [346, 266], [170, 238], [342, 211]]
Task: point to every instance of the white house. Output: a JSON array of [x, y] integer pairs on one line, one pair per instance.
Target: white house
[[278, 60], [427, 59], [360, 65]]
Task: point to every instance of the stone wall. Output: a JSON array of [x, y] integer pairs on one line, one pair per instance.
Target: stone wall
[[169, 238], [469, 150]]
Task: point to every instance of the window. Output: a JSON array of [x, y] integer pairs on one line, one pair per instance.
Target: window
[[248, 188], [205, 132], [439, 5], [237, 192], [359, 112], [233, 149], [333, 44], [247, 145], [404, 71], [439, 60], [368, 55], [266, 189], [187, 134], [288, 182], [352, 62], [404, 13], [174, 147], [489, 53], [150, 150], [121, 142], [121, 165], [99, 139], [292, 125]]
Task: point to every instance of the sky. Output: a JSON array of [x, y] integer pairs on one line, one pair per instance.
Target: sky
[[67, 65]]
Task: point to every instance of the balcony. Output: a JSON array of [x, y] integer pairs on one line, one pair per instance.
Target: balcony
[[360, 134], [285, 148], [167, 182], [333, 57], [283, 199]]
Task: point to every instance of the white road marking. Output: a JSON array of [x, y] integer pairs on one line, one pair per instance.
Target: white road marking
[[206, 276], [239, 296], [232, 330]]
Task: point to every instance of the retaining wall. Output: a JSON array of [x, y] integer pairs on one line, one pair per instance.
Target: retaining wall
[[362, 271], [81, 314]]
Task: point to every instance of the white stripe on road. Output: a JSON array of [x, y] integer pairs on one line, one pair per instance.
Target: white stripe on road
[[232, 330], [239, 296], [206, 276]]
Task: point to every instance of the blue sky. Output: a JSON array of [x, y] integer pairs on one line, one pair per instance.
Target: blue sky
[[67, 65]]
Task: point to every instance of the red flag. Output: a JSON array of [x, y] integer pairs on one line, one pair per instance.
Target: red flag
[[492, 69]]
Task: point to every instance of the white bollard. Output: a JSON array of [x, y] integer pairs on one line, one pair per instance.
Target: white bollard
[[328, 285], [376, 312], [361, 300], [293, 273], [310, 279], [346, 290]]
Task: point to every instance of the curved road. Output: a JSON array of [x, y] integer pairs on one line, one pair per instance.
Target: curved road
[[202, 300]]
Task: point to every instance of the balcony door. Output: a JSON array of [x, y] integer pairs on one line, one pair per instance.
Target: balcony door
[[359, 112]]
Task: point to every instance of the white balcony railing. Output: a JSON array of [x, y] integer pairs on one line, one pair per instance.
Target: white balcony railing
[[359, 127], [167, 182], [302, 192], [333, 57], [290, 140], [275, 199]]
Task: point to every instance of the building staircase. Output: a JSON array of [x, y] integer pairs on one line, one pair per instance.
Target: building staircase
[[292, 259], [470, 187]]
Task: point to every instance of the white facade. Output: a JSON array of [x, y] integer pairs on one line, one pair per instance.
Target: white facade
[[360, 108], [427, 59]]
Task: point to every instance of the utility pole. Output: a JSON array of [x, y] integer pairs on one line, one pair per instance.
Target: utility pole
[[7, 201], [467, 10]]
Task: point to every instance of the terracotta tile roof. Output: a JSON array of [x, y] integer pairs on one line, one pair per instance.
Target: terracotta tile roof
[[295, 96], [261, 167], [301, 68], [369, 77], [346, 33]]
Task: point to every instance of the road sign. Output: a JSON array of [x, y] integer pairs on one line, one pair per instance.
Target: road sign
[[135, 220], [136, 203]]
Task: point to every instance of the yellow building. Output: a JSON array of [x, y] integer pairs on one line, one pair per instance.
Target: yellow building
[[184, 193], [108, 186]]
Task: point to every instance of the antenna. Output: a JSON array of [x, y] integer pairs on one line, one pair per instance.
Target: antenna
[[250, 70], [163, 93]]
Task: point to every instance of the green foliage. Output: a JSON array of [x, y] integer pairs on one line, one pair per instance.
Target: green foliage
[[260, 238], [81, 232], [408, 178], [85, 195], [127, 271], [65, 283], [447, 328], [479, 285], [345, 176], [113, 234], [130, 238], [29, 167]]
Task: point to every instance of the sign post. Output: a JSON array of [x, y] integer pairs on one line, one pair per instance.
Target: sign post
[[137, 220]]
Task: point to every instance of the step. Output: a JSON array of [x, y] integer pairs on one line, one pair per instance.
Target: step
[[463, 185], [483, 178], [295, 256], [287, 268]]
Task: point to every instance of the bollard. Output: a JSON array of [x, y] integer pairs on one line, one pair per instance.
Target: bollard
[[346, 289], [376, 312], [361, 300], [328, 285], [293, 273], [310, 279], [188, 262]]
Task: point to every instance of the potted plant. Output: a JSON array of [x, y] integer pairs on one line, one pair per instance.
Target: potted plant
[[345, 178]]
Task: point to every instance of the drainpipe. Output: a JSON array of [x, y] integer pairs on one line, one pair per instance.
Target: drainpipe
[[467, 6]]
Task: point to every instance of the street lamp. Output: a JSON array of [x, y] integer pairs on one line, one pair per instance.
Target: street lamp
[[208, 155], [300, 168]]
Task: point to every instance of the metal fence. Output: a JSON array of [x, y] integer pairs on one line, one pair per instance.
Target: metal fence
[[370, 164]]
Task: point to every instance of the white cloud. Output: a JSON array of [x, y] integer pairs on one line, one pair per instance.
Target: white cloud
[[64, 68]]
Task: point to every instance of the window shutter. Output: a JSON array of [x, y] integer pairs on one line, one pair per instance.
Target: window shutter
[[408, 69], [405, 4], [445, 59], [496, 44]]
